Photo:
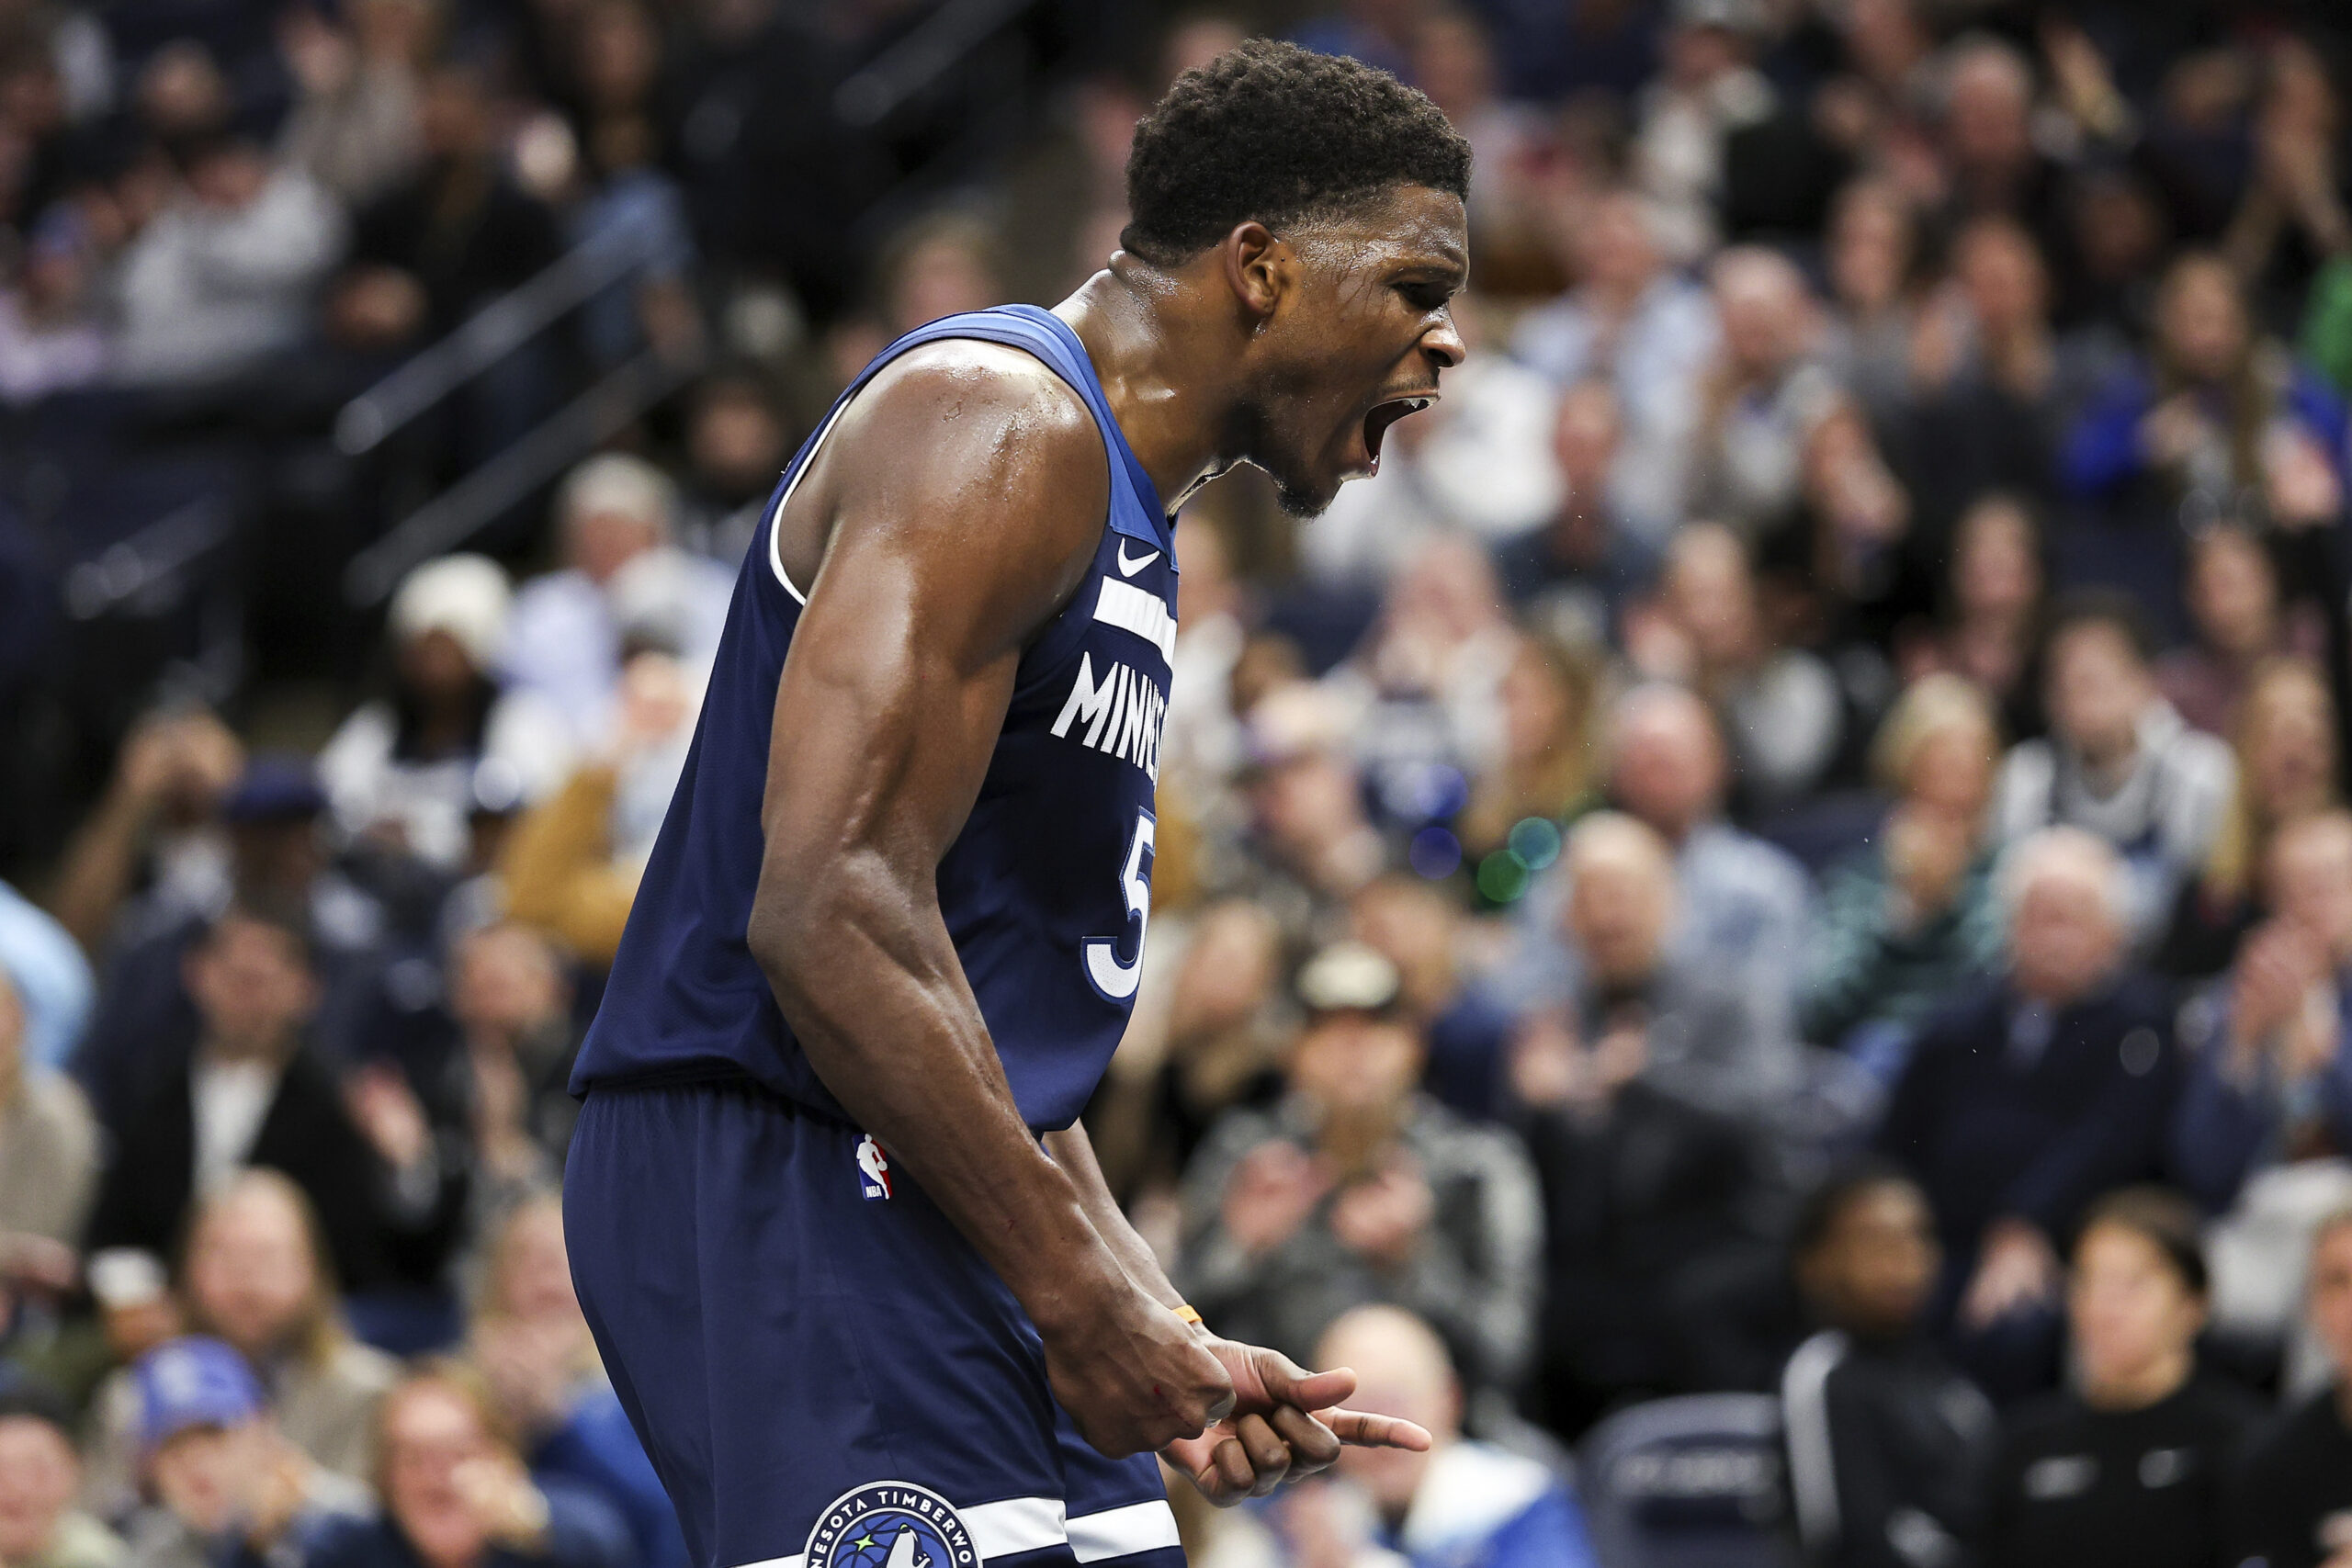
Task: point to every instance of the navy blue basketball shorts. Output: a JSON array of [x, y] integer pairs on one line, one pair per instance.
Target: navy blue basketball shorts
[[823, 1371]]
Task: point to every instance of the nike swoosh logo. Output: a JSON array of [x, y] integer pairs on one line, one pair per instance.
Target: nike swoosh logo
[[1129, 568]]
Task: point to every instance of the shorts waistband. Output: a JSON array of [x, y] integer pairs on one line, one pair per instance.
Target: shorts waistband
[[722, 1079]]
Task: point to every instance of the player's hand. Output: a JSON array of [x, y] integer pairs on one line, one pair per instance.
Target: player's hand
[[1285, 1424], [1134, 1376]]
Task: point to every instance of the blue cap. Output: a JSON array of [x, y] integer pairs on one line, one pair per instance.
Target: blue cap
[[192, 1382], [275, 789]]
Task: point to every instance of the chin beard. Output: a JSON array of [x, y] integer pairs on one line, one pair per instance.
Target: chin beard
[[1297, 490], [1300, 499]]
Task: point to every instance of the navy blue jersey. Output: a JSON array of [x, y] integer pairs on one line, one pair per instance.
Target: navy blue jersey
[[1048, 889]]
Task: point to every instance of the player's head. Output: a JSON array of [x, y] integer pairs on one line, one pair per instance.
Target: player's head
[[1324, 199]]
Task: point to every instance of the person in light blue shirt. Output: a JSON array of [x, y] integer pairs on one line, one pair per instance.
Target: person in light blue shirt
[[52, 977], [1464, 1504]]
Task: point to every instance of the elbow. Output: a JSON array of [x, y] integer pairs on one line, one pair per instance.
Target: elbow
[[785, 929]]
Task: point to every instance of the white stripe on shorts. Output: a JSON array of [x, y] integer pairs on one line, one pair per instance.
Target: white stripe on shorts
[[1121, 1532], [1031, 1524]]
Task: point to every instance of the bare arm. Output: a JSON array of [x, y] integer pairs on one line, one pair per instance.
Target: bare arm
[[1073, 1150], [955, 507]]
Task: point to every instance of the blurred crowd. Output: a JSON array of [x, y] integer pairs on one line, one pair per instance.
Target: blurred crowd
[[1790, 845]]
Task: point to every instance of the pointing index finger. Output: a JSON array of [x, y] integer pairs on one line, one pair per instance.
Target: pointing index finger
[[1363, 1429]]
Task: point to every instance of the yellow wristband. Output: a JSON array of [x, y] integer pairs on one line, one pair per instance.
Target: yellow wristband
[[1186, 1314]]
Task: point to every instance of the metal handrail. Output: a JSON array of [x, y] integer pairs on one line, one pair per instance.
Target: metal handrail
[[457, 514], [135, 570], [877, 91], [487, 336]]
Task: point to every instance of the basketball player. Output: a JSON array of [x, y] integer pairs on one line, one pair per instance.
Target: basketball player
[[841, 1239]]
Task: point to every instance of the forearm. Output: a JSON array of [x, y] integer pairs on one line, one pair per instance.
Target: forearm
[[870, 982], [1073, 1150], [99, 868]]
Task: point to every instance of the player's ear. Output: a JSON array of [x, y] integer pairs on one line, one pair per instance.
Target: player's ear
[[1261, 269]]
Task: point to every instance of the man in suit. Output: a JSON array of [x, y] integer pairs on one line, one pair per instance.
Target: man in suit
[[256, 1092]]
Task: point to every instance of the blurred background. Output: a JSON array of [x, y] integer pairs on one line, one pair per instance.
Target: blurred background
[[1758, 931]]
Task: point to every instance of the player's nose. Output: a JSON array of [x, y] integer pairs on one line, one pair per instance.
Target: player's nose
[[1443, 343]]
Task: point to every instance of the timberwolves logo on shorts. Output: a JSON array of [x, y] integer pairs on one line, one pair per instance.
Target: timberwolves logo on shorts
[[890, 1524]]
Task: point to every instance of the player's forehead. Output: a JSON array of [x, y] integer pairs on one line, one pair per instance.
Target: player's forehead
[[1408, 228]]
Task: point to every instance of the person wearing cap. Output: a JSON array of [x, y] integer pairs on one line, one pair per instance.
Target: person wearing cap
[[1356, 1187], [224, 1489], [254, 1277], [273, 819], [2134, 1462], [567, 635], [40, 1473], [411, 768]]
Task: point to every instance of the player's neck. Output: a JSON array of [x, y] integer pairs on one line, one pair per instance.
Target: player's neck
[[1165, 383]]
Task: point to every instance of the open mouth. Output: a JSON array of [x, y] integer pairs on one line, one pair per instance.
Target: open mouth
[[1383, 415]]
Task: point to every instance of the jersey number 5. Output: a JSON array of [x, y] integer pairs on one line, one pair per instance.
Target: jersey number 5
[[1117, 980]]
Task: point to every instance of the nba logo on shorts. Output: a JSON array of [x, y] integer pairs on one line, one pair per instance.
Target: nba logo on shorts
[[873, 1168], [890, 1524]]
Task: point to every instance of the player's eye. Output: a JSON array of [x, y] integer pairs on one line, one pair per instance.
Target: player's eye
[[1426, 296]]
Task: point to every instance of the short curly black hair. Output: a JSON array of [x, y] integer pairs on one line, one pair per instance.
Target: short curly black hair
[[1271, 132]]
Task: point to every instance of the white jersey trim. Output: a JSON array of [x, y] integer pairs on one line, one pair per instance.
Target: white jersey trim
[[775, 551]]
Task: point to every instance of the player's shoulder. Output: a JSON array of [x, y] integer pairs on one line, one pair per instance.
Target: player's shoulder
[[992, 396]]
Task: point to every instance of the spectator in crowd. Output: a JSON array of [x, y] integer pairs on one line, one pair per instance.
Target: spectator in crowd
[[532, 1348], [439, 243], [1356, 1189], [2275, 1084], [1545, 767], [355, 128], [223, 1486], [1764, 396], [2235, 609], [2119, 763], [1645, 1194], [1462, 1500], [39, 1473], [1779, 706], [571, 867], [1575, 573], [569, 632], [410, 771], [455, 1492], [1695, 1036], [510, 998], [256, 1092], [1634, 323], [1992, 380], [224, 275], [255, 1275], [2218, 411], [2284, 736], [1743, 909], [2136, 1461], [2045, 1089], [49, 1157], [154, 836], [1907, 923], [2297, 1486], [277, 859], [1886, 1442], [50, 978], [1419, 929], [1990, 627], [738, 441]]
